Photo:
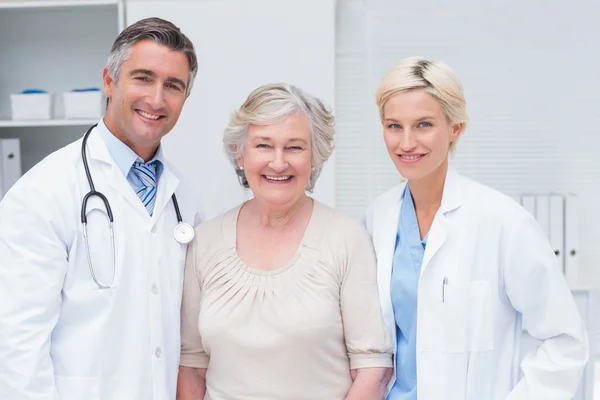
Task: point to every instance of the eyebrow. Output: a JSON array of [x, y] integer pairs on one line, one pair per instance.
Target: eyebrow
[[424, 118], [262, 138], [148, 72], [418, 120], [268, 139], [298, 140]]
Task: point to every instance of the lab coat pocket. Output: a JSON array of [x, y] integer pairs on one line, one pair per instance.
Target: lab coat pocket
[[77, 388], [467, 317]]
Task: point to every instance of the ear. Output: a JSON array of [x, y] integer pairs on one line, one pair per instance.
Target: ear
[[456, 131], [240, 159], [109, 83]]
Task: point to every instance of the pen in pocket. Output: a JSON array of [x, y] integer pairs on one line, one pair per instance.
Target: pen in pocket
[[444, 283]]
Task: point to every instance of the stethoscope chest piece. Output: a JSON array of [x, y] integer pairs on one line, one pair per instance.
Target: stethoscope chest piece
[[183, 233]]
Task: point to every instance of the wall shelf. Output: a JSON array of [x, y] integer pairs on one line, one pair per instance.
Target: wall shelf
[[50, 122], [56, 46], [48, 4]]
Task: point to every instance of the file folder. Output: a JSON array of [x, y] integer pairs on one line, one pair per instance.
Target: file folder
[[571, 239], [542, 213], [10, 164], [557, 228]]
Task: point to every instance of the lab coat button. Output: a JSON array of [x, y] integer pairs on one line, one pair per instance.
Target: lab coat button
[[153, 230], [158, 352], [154, 289]]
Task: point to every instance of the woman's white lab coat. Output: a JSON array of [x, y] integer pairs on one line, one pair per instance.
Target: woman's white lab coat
[[61, 337], [502, 278]]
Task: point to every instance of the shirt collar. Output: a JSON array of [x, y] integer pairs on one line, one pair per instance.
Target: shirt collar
[[124, 156]]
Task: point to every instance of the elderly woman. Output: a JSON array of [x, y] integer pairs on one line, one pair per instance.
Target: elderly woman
[[463, 269], [280, 295]]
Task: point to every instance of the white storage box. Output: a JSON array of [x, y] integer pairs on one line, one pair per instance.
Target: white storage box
[[83, 104], [31, 106]]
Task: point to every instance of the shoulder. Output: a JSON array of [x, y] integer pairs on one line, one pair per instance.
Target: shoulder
[[187, 194], [338, 227], [377, 209], [214, 240], [52, 175], [217, 232], [343, 243], [175, 171], [490, 207], [47, 189], [385, 199]]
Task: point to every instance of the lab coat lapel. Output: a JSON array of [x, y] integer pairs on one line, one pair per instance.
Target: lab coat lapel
[[437, 236], [451, 200], [167, 184], [114, 176], [385, 250]]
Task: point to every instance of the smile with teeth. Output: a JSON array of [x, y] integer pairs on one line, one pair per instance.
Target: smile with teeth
[[278, 178], [410, 157], [149, 116]]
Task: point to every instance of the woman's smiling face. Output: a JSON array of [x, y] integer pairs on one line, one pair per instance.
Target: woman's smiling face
[[417, 133]]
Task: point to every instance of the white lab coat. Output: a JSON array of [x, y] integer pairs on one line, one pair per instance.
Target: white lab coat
[[61, 337], [503, 278]]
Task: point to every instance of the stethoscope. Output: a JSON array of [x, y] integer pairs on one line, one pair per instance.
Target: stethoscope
[[183, 232]]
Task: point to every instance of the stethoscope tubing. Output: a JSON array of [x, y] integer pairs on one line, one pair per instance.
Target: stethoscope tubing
[[181, 229]]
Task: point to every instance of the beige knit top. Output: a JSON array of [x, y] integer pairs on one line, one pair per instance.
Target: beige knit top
[[290, 333]]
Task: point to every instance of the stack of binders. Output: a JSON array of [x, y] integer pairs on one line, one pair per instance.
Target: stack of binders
[[557, 215], [10, 164]]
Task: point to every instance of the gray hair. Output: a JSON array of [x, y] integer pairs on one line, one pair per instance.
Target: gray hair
[[271, 104], [159, 31]]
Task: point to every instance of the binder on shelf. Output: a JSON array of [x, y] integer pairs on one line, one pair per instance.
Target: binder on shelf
[[528, 203], [542, 213], [10, 164], [557, 228], [571, 239]]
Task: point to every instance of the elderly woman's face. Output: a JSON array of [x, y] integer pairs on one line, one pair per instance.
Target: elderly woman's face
[[277, 160]]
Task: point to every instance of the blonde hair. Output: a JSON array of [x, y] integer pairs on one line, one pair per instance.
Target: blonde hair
[[436, 78], [273, 103]]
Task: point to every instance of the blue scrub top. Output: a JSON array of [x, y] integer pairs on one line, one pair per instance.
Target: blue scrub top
[[406, 269]]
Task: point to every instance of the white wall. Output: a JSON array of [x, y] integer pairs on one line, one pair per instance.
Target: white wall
[[242, 45]]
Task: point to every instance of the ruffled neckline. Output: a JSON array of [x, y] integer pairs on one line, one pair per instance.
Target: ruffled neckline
[[310, 239]]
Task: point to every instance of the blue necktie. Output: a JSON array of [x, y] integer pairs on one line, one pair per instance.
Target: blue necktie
[[147, 191]]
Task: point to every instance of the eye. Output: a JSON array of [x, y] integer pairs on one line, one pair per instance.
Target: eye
[[394, 126], [295, 148], [425, 125], [262, 146], [142, 78], [173, 86]]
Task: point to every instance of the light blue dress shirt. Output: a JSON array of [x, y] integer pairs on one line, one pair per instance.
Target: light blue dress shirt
[[124, 157], [406, 268]]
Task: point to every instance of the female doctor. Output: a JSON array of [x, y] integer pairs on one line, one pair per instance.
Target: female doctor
[[463, 269]]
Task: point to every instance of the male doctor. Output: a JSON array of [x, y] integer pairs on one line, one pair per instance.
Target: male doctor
[[103, 325]]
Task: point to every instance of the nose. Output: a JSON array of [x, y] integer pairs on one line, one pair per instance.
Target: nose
[[278, 163], [156, 98], [408, 141]]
